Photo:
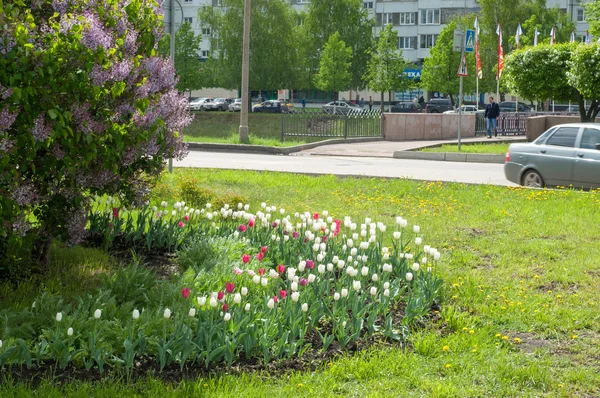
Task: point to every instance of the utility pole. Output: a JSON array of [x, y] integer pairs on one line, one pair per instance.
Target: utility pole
[[172, 49], [243, 132]]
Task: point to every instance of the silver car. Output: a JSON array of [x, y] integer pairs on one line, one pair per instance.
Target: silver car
[[567, 154], [341, 107], [235, 105]]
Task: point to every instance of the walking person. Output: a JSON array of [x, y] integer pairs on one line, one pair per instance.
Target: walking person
[[370, 103], [303, 103], [492, 111]]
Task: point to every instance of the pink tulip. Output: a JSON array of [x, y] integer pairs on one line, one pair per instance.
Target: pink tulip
[[316, 216], [220, 295], [260, 256], [294, 234], [264, 249], [242, 228], [186, 217], [229, 287], [237, 271], [280, 268], [310, 264], [181, 224], [251, 223], [245, 258], [303, 281], [282, 294], [185, 292]]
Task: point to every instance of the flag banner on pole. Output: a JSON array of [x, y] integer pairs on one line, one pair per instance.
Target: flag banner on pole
[[572, 36], [500, 52], [518, 35], [588, 38], [535, 37], [479, 73], [552, 35]]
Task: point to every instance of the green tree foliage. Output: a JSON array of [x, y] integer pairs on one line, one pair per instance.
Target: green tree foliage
[[563, 72], [273, 43], [334, 68], [440, 70], [324, 18], [86, 108], [592, 16], [385, 70]]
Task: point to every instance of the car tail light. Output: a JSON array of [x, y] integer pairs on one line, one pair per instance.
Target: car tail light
[[507, 159]]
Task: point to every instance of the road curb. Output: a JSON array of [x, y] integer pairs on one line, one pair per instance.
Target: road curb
[[270, 150], [450, 157]]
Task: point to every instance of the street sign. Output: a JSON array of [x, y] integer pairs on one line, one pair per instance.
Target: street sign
[[458, 40], [462, 69], [470, 41]]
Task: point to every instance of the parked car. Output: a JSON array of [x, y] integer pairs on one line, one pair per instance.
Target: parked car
[[218, 104], [567, 154], [272, 106], [341, 107], [439, 105], [511, 106], [235, 105], [196, 104], [466, 109], [206, 104], [406, 107]]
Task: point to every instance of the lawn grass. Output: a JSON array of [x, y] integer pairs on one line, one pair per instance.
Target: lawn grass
[[223, 127], [491, 148], [518, 264]]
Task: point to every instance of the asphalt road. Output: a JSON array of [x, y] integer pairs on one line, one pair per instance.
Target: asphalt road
[[473, 173]]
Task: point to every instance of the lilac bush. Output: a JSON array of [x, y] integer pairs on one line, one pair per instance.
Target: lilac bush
[[87, 107]]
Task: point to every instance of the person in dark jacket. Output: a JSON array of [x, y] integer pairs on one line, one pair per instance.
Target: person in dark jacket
[[492, 111]]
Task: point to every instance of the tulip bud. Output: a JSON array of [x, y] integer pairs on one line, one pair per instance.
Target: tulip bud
[[396, 235], [227, 317], [374, 278], [201, 301], [136, 314], [58, 316], [69, 333], [294, 286], [237, 298], [329, 267], [295, 297], [271, 304], [386, 293], [364, 271], [167, 313], [97, 314], [356, 285], [247, 307], [409, 276], [373, 290], [344, 292], [213, 302], [415, 267], [418, 241], [386, 285], [321, 268], [336, 296], [192, 312], [304, 307]]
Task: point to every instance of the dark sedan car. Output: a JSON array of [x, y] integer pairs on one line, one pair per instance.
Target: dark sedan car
[[567, 154], [406, 107]]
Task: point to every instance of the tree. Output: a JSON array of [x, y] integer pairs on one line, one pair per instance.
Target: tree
[[440, 70], [564, 72], [273, 42], [592, 16], [187, 65], [334, 68], [86, 108], [324, 18], [385, 70]]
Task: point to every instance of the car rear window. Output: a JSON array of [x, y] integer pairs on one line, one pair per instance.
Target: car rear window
[[564, 136], [590, 138]]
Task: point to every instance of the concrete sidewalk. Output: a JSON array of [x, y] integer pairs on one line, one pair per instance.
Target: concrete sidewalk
[[386, 149]]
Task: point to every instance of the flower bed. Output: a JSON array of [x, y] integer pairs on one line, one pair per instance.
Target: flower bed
[[294, 282]]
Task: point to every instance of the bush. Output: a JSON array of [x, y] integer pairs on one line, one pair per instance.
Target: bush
[[193, 194]]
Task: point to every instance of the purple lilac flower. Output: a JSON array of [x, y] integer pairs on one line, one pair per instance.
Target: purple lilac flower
[[5, 92], [41, 130], [94, 35], [6, 144], [25, 194], [21, 226], [60, 6], [7, 118], [7, 43], [130, 46]]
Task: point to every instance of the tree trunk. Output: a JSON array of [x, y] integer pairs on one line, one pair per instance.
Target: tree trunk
[[390, 101], [41, 250], [382, 98], [452, 100]]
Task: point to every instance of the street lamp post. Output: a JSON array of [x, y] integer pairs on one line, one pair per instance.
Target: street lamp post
[[243, 132], [172, 44]]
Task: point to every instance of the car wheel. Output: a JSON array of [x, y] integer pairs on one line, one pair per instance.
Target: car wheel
[[532, 179]]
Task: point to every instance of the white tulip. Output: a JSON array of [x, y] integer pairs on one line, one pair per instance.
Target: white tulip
[[354, 251], [320, 257], [355, 236], [273, 274], [136, 314], [256, 279], [383, 228], [372, 232], [301, 266], [356, 285], [426, 249], [236, 234], [304, 307], [364, 271], [227, 317], [167, 313], [386, 256], [271, 304], [213, 302], [349, 259], [374, 278], [353, 226], [349, 271], [295, 296], [372, 239], [246, 207], [192, 312], [69, 333], [97, 314], [58, 316], [237, 298], [386, 285], [350, 243], [264, 281], [436, 256], [363, 233], [415, 267], [321, 268], [164, 204], [409, 276], [424, 260], [335, 259], [294, 286], [329, 267], [418, 241], [286, 238], [244, 291], [416, 229], [396, 235], [373, 290], [336, 296], [344, 293], [429, 269], [387, 268], [311, 278], [247, 307], [386, 293]]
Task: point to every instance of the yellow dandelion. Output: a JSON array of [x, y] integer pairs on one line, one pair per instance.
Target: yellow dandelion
[[299, 385], [517, 340], [574, 336], [471, 331], [445, 348], [448, 366], [504, 338]]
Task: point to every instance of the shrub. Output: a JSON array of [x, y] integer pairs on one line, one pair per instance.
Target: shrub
[[193, 194], [86, 107]]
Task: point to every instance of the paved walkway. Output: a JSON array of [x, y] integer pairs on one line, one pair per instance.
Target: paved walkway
[[386, 149]]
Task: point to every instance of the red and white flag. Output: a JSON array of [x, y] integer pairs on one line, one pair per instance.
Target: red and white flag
[[500, 52], [588, 38], [477, 57], [518, 35], [552, 35], [535, 38]]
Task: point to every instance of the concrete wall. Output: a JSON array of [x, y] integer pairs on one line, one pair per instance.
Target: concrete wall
[[425, 126], [536, 125]]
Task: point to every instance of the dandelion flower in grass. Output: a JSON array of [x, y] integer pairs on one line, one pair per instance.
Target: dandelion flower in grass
[[517, 340], [271, 304], [304, 307], [135, 314], [445, 348], [59, 316], [69, 333], [448, 366], [409, 276], [227, 317], [167, 313]]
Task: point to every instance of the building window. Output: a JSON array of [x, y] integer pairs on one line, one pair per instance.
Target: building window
[[368, 4], [388, 18], [187, 20], [188, 1], [408, 18], [580, 15], [407, 43], [204, 53], [430, 17], [428, 41], [206, 31]]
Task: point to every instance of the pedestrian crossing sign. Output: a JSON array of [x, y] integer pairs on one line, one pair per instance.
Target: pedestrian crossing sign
[[462, 69], [470, 41]]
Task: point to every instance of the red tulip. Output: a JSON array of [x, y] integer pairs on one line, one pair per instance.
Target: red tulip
[[181, 224], [186, 217], [220, 295], [229, 287], [185, 292], [275, 299], [251, 223], [261, 271], [245, 258], [260, 256], [115, 212], [316, 216], [282, 294], [264, 249], [242, 228], [225, 307], [280, 268], [310, 264]]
